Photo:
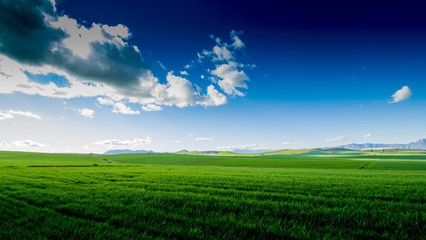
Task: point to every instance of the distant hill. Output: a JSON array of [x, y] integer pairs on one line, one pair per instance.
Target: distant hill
[[124, 151], [250, 151], [420, 144]]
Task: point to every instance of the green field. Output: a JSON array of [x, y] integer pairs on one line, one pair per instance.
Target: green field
[[364, 195]]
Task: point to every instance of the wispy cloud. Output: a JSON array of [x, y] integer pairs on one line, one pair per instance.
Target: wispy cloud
[[336, 139], [28, 143], [402, 94], [9, 114], [368, 135], [203, 139], [288, 143], [131, 142]]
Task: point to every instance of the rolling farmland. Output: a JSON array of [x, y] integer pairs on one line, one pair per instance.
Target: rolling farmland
[[178, 196]]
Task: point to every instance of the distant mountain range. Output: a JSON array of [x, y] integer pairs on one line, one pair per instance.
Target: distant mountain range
[[420, 144], [124, 151]]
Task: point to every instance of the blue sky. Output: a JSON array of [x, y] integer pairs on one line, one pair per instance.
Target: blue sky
[[79, 76]]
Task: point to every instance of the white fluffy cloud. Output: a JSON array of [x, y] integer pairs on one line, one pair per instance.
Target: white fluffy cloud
[[336, 139], [203, 139], [231, 78], [118, 107], [132, 142], [151, 107], [402, 94], [9, 114], [85, 112], [184, 73], [96, 60], [368, 135], [27, 143]]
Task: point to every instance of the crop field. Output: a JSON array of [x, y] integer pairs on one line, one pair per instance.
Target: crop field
[[178, 196]]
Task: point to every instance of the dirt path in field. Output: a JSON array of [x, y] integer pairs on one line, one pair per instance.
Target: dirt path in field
[[103, 159]]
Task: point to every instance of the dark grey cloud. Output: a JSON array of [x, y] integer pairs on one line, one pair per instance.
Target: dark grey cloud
[[26, 37]]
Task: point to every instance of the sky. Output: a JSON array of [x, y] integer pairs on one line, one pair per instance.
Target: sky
[[91, 76]]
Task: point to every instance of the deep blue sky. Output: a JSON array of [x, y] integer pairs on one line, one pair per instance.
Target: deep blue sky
[[299, 46], [325, 70]]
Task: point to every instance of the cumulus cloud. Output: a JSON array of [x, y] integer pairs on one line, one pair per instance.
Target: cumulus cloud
[[243, 147], [368, 135], [27, 143], [118, 107], [336, 139], [132, 142], [203, 139], [85, 112], [231, 78], [183, 73], [402, 94], [9, 114], [151, 107], [228, 72], [96, 60]]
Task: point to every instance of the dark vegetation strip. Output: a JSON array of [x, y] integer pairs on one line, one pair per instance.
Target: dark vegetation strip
[[103, 159], [363, 166]]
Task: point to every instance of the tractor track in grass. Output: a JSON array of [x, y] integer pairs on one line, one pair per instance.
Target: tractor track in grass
[[103, 159], [363, 166]]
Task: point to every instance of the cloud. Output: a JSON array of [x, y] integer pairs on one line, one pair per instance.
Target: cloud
[[94, 60], [368, 135], [228, 73], [183, 73], [243, 147], [4, 144], [203, 139], [231, 78], [237, 43], [288, 143], [132, 142], [151, 107], [9, 114], [221, 53], [402, 94], [27, 143], [176, 141], [85, 112], [162, 65], [118, 107], [336, 139]]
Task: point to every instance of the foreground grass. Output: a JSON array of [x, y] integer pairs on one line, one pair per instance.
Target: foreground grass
[[187, 202]]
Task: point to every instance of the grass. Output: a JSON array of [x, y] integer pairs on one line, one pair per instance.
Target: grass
[[186, 202], [31, 158], [176, 196]]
